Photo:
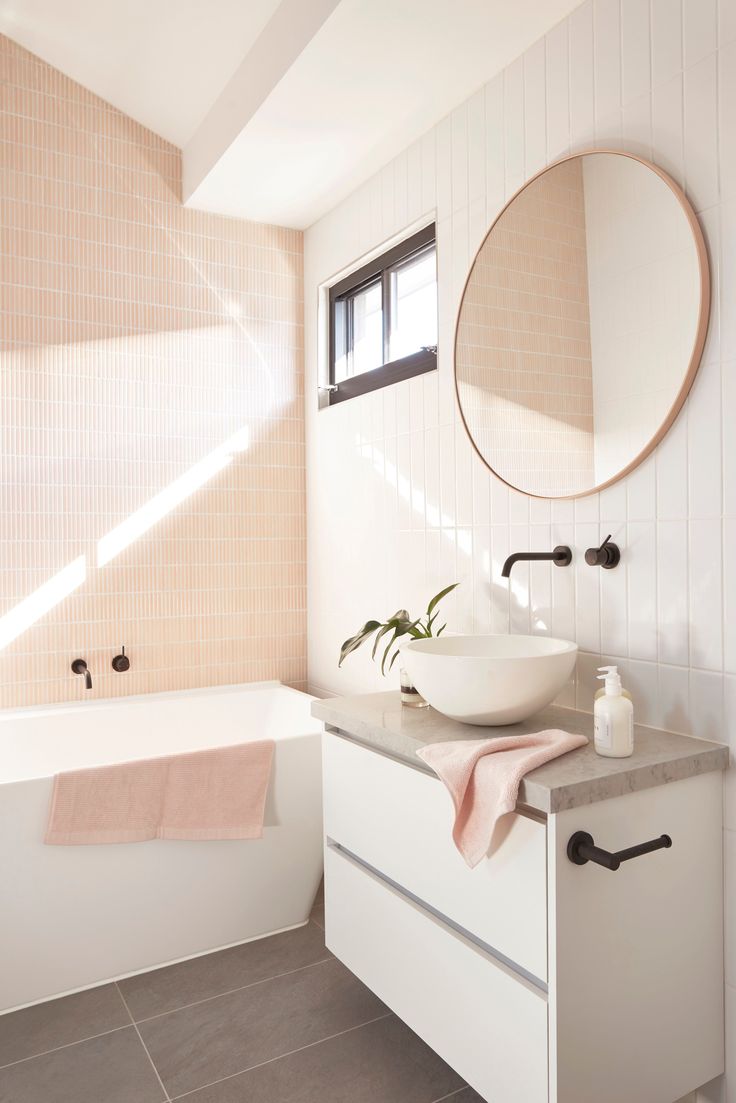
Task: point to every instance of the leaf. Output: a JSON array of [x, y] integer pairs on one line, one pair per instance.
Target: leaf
[[403, 629], [399, 616], [355, 641], [438, 597], [444, 626]]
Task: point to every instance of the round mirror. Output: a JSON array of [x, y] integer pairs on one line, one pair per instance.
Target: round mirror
[[582, 324]]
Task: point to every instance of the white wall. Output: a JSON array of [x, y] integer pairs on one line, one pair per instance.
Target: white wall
[[398, 505], [643, 293]]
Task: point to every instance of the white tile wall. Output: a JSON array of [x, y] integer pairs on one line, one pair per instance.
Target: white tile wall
[[398, 505]]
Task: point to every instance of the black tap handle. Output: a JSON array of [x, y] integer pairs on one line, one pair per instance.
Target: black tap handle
[[607, 555], [581, 848], [121, 662]]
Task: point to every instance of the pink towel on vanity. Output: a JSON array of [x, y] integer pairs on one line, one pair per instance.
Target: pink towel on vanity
[[213, 794], [483, 776]]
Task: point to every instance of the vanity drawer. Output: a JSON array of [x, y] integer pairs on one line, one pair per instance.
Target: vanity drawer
[[487, 1023], [399, 820]]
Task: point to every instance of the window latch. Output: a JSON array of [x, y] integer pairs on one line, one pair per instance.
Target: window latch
[[429, 348], [329, 387]]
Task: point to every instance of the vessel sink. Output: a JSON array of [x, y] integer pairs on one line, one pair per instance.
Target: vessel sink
[[493, 680]]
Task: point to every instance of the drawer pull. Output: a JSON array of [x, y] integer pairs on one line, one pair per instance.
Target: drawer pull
[[581, 849]]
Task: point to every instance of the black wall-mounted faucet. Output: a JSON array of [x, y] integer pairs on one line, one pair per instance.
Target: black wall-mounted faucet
[[79, 666], [561, 556], [606, 556]]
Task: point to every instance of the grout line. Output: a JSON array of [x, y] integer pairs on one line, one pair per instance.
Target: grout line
[[167, 1097], [452, 1094], [230, 991], [316, 923], [67, 1045], [290, 1053]]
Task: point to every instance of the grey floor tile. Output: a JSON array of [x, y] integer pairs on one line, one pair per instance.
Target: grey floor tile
[[383, 1062], [202, 977], [59, 1022], [111, 1069], [203, 1043]]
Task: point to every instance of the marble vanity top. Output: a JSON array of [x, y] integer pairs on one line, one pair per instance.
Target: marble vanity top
[[381, 722]]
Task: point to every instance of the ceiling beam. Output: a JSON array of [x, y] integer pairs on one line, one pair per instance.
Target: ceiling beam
[[285, 36]]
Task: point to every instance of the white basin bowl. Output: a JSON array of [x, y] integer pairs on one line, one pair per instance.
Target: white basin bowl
[[489, 679]]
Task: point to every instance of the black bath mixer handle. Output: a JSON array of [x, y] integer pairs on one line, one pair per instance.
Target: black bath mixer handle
[[581, 849]]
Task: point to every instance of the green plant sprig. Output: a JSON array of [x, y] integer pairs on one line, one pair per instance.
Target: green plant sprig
[[398, 625]]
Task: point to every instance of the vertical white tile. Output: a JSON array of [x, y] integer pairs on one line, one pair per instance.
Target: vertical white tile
[[727, 119], [482, 585], [432, 477], [443, 166], [613, 507], [513, 126], [607, 63], [414, 182], [476, 125], [428, 152], [642, 682], [728, 280], [401, 190], [671, 463], [641, 489], [672, 593], [641, 567], [463, 478], [699, 29], [614, 601], [519, 583], [635, 53], [636, 126], [666, 40], [667, 134], [418, 493], [540, 582], [557, 72], [587, 509], [582, 91], [587, 591], [729, 596], [535, 120], [706, 595], [495, 171], [704, 443], [706, 704], [726, 22], [729, 438], [674, 698], [500, 587], [518, 509], [499, 502], [459, 155], [447, 476], [481, 490], [701, 133]]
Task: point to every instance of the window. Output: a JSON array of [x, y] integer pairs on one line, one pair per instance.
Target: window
[[383, 319]]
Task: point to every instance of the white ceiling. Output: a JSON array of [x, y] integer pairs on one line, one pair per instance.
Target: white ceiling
[[163, 62], [282, 107]]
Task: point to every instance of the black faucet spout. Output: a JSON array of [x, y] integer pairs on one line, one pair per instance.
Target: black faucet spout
[[561, 556], [79, 666]]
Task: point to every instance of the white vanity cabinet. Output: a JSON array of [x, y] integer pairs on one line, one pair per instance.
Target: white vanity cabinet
[[536, 978]]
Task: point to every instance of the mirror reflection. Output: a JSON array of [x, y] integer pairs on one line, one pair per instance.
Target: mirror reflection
[[581, 324]]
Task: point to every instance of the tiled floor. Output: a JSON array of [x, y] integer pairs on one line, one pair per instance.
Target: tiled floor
[[273, 1021]]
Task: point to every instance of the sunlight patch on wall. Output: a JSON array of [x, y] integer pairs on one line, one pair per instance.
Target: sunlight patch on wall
[[37, 604], [129, 530]]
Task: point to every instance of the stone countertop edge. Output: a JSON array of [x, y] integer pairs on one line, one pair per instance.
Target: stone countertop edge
[[380, 722]]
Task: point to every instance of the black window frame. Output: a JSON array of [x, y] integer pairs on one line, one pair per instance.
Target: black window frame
[[379, 270]]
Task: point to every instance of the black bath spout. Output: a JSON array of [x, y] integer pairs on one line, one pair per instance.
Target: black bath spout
[[561, 557], [79, 666]]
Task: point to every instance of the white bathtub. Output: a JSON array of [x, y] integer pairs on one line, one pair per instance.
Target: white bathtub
[[72, 917]]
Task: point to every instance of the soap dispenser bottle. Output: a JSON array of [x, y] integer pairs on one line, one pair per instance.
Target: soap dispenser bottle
[[613, 717]]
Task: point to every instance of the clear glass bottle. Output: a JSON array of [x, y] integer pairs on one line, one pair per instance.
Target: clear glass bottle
[[410, 695]]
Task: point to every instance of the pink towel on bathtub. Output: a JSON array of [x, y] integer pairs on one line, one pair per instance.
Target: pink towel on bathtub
[[214, 794], [483, 777]]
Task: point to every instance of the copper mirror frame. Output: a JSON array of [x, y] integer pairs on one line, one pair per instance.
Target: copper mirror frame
[[698, 344]]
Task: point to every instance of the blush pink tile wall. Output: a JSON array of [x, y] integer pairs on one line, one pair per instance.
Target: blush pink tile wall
[[523, 341], [137, 337], [398, 505]]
